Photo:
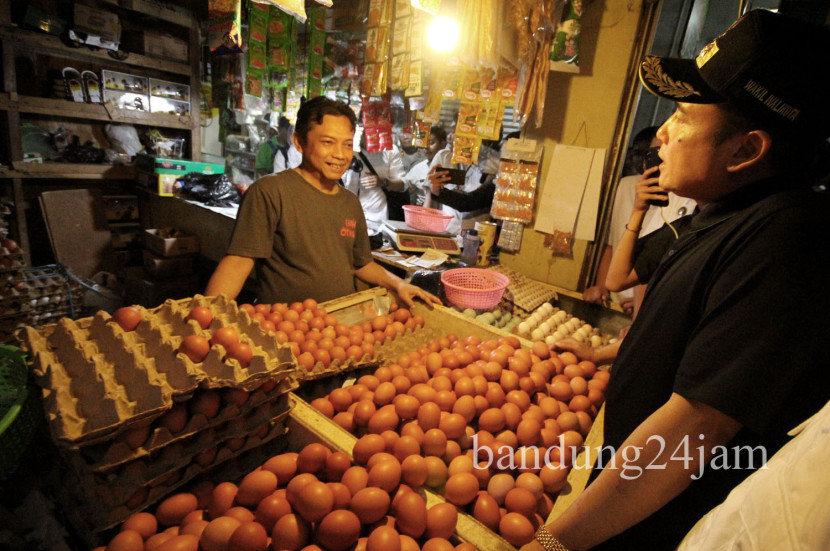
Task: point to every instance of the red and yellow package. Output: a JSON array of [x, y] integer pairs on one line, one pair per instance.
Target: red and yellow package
[[420, 134], [467, 117], [465, 150]]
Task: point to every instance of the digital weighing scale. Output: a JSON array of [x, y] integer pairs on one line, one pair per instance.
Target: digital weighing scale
[[405, 238]]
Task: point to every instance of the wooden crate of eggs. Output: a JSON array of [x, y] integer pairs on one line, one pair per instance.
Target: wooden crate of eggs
[[35, 296], [340, 335], [531, 412], [142, 401], [549, 323]]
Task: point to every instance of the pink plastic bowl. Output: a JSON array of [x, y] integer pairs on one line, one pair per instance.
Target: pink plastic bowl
[[426, 219], [474, 288]]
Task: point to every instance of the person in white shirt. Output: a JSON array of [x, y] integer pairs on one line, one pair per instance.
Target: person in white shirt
[[286, 158], [417, 178], [369, 177]]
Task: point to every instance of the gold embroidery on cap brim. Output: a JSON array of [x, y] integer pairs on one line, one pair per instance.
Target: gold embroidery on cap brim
[[653, 73]]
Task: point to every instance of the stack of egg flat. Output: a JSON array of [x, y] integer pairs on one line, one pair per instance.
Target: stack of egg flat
[[135, 420]]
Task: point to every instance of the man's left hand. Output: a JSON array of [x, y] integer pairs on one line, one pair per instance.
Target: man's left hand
[[408, 292]]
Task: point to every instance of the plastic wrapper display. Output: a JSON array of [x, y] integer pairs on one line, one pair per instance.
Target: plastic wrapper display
[[215, 190]]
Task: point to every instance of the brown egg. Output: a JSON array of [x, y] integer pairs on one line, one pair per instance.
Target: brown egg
[[297, 484], [127, 540], [340, 399], [250, 536], [383, 538], [445, 400], [355, 478], [410, 511], [367, 446], [429, 415], [370, 505], [406, 406], [492, 420], [553, 477], [270, 510], [342, 495], [339, 530], [528, 432], [561, 390], [461, 488], [520, 500], [460, 464], [172, 510], [437, 544], [414, 470], [284, 466], [436, 472], [242, 514], [143, 523], [407, 543], [512, 415], [255, 486], [385, 475], [384, 419], [292, 532], [312, 458], [324, 406], [336, 464], [516, 529], [315, 501], [435, 442], [153, 542], [499, 485], [384, 394], [217, 534], [441, 520], [531, 482], [486, 511]]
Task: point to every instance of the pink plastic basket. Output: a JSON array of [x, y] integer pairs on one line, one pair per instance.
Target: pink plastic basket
[[474, 288], [426, 219]]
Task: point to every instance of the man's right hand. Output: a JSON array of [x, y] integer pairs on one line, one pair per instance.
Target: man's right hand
[[369, 181], [595, 294]]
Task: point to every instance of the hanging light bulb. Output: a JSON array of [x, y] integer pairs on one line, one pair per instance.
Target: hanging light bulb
[[442, 34]]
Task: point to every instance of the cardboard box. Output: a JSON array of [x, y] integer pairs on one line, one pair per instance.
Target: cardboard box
[[97, 23], [149, 293], [157, 44], [160, 165], [163, 267], [170, 246], [160, 184]]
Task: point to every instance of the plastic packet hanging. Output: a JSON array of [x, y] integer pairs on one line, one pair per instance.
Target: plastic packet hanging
[[516, 181], [294, 7]]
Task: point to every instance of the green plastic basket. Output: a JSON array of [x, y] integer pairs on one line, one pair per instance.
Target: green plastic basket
[[19, 408]]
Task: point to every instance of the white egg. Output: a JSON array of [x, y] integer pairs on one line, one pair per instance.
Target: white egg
[[550, 339], [537, 335], [596, 341], [523, 328], [588, 327], [545, 327], [578, 337]]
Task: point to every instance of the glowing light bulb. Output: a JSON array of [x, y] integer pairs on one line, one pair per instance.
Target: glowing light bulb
[[442, 34]]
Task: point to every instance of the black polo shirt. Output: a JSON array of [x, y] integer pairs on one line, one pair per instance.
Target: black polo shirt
[[735, 316]]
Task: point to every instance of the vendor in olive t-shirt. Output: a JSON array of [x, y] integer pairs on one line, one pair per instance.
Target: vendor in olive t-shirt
[[305, 235]]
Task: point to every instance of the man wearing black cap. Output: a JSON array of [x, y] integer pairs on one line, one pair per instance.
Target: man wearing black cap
[[728, 351]]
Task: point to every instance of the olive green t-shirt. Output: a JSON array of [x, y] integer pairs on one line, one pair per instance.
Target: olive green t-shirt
[[307, 244]]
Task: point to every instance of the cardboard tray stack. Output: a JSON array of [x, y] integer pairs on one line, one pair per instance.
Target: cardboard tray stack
[[111, 397]]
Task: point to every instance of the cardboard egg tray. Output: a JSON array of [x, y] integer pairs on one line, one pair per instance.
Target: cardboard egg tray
[[11, 260], [99, 380], [526, 293], [198, 435], [83, 498]]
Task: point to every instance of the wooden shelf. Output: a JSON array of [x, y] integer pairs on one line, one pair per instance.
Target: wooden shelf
[[52, 45], [230, 151], [154, 9], [101, 112], [70, 171]]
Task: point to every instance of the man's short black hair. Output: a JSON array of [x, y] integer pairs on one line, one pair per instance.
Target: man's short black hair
[[312, 112], [439, 133], [645, 135], [283, 123]]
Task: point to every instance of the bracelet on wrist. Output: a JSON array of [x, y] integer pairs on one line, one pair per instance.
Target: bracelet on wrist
[[549, 541], [636, 232]]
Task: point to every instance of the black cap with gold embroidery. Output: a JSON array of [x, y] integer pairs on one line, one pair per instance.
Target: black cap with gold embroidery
[[768, 65]]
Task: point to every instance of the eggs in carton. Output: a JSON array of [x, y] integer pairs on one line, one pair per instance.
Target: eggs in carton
[[99, 380]]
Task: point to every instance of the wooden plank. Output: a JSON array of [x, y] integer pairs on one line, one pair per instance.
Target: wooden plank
[[52, 45], [85, 111], [583, 466], [167, 13], [72, 171]]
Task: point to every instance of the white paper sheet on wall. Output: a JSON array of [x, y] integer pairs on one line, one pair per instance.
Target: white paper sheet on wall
[[570, 197]]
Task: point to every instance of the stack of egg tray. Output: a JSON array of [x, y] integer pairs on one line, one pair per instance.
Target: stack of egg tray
[[33, 296], [525, 293], [102, 386], [353, 309]]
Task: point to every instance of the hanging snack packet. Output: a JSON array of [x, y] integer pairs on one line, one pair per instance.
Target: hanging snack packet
[[467, 118], [465, 149], [420, 134]]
